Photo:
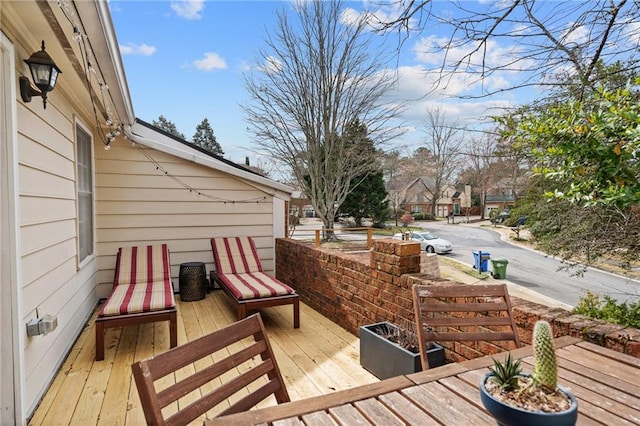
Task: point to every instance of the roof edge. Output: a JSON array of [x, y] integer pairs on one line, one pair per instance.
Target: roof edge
[[150, 136]]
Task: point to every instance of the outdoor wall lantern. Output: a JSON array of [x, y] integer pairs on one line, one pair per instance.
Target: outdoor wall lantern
[[44, 73]]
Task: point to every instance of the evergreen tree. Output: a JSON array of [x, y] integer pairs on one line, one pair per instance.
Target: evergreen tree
[[204, 138], [368, 199], [367, 196], [168, 126]]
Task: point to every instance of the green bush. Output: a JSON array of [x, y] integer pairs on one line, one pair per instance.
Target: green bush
[[609, 309], [423, 216]]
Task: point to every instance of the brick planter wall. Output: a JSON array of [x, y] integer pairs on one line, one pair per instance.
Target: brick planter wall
[[358, 289]]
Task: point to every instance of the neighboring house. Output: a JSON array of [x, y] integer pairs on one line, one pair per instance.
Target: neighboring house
[[498, 202], [417, 198], [300, 205], [67, 204]]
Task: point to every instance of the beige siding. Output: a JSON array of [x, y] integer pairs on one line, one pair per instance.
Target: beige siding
[[137, 204], [51, 280]]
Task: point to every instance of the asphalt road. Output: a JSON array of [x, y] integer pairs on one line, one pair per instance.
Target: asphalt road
[[532, 269]]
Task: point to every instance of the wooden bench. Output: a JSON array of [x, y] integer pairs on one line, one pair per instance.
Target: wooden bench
[[239, 273], [142, 292]]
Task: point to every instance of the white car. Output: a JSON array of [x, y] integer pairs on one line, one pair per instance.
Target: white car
[[428, 242]]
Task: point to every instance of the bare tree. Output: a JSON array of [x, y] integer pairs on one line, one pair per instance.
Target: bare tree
[[439, 159], [480, 158], [318, 78], [547, 40], [394, 168]]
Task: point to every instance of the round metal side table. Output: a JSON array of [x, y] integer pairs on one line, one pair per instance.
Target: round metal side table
[[193, 281]]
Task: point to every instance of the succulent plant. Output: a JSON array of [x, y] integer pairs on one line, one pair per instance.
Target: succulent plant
[[546, 368], [506, 373]]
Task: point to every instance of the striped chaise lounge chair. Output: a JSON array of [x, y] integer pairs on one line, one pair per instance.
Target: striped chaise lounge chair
[[142, 292], [239, 273]]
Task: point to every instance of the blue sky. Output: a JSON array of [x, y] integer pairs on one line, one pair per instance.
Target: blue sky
[[185, 60]]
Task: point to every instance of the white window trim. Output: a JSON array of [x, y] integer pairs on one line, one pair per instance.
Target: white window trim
[[90, 257]]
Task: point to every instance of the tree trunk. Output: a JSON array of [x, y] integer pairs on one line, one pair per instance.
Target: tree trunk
[[329, 232]]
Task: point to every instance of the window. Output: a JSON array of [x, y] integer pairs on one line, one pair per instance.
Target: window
[[85, 193]]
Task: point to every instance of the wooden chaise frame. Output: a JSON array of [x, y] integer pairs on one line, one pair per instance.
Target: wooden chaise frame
[[244, 306], [111, 321]]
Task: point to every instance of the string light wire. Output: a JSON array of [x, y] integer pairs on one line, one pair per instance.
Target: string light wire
[[164, 172], [111, 121]]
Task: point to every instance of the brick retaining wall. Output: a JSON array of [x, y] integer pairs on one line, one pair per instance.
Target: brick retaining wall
[[355, 289]]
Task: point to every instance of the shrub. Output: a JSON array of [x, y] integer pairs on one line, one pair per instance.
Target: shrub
[[406, 219], [423, 216], [609, 309]]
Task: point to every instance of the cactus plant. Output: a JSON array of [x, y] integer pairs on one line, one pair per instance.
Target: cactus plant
[[546, 367], [519, 399]]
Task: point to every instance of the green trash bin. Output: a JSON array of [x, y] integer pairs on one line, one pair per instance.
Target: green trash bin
[[499, 267]]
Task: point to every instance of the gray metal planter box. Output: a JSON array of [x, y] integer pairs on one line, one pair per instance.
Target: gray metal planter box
[[385, 359]]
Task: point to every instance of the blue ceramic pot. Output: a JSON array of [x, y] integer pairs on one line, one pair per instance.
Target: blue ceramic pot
[[508, 415]]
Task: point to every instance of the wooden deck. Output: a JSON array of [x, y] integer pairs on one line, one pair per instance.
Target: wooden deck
[[316, 359]]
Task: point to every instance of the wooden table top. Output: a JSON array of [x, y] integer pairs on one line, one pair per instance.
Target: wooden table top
[[606, 384]]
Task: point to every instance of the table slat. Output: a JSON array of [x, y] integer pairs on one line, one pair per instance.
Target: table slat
[[349, 415], [318, 418], [595, 381], [614, 370], [293, 421], [446, 406], [406, 410], [608, 353], [377, 412]]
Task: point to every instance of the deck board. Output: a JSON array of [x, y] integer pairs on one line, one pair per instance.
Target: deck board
[[314, 360]]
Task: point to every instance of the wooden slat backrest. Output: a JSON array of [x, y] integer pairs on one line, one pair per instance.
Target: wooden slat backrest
[[233, 354], [462, 313]]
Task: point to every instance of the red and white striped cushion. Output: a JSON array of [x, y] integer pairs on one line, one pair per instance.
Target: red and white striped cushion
[[235, 255], [238, 265], [254, 285], [142, 281]]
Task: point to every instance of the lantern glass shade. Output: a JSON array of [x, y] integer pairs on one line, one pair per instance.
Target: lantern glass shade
[[44, 71]]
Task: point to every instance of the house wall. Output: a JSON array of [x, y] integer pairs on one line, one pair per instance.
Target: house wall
[[356, 290], [498, 207], [137, 204], [417, 199], [52, 280]]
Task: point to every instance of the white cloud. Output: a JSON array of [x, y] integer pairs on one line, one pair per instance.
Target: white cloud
[[350, 16], [137, 49], [492, 67], [188, 9], [632, 32], [272, 65], [376, 13], [417, 91], [210, 62], [577, 35]]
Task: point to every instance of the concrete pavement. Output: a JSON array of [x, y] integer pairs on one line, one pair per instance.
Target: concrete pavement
[[449, 270]]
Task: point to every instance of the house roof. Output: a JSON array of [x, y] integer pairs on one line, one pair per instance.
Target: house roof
[[148, 135], [96, 19]]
